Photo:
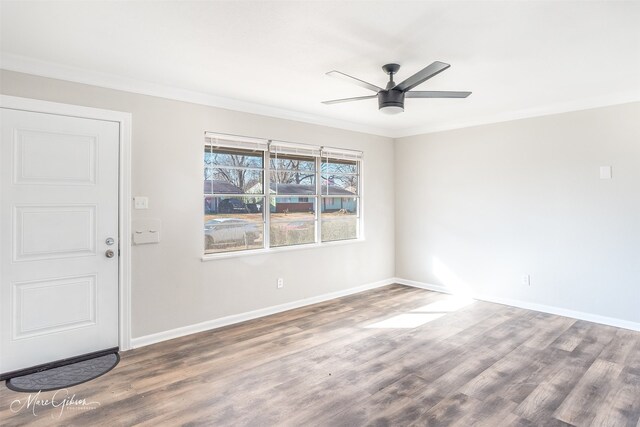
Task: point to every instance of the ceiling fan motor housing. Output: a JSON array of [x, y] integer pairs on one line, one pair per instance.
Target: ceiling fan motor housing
[[390, 98]]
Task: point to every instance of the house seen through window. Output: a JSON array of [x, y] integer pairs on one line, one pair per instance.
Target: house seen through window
[[262, 194]]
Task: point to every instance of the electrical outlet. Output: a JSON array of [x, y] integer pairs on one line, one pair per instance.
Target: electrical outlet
[[526, 280], [280, 283]]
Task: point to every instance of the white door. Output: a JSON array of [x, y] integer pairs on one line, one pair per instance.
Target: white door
[[58, 207]]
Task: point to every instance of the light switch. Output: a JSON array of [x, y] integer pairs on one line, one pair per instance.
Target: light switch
[[141, 202], [146, 231], [605, 172]]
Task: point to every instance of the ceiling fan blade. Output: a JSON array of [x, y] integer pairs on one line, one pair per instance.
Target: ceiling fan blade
[[421, 76], [358, 98], [348, 78], [436, 94]]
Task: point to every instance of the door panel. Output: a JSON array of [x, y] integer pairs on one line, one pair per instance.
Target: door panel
[[59, 204], [37, 305], [49, 158], [48, 232]]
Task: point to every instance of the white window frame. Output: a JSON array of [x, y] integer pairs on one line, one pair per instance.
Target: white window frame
[[311, 152], [319, 153], [340, 154]]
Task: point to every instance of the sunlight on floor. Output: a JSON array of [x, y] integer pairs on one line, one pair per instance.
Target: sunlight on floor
[[406, 321], [425, 314]]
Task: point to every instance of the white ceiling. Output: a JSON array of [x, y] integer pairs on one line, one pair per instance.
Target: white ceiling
[[519, 58]]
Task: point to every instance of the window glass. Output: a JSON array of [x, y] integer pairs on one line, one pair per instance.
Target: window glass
[[234, 180], [293, 221], [293, 216], [331, 166], [234, 200], [293, 174], [339, 177], [236, 158], [339, 218]]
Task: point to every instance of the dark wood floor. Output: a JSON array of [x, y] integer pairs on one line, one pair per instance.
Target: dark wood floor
[[333, 364]]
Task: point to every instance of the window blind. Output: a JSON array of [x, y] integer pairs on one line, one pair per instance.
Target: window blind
[[280, 147], [341, 154], [218, 140]]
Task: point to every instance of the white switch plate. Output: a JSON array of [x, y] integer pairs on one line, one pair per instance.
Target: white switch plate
[[605, 172], [141, 202], [146, 231]]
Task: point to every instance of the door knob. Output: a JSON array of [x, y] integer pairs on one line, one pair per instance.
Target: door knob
[[109, 241], [109, 253]]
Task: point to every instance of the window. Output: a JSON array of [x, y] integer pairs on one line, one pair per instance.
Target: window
[[233, 194], [340, 198], [294, 194], [262, 194]]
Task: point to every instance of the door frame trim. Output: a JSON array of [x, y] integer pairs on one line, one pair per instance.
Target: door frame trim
[[124, 191]]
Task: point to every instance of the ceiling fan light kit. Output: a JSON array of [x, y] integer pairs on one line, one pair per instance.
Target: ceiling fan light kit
[[391, 101], [391, 98]]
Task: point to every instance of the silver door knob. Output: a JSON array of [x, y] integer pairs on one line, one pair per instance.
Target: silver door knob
[[109, 241], [109, 253]]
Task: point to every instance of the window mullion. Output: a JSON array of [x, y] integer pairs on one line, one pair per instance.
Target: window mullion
[[318, 201], [266, 206]]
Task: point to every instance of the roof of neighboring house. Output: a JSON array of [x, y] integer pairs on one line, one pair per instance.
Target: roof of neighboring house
[[221, 187], [304, 190]]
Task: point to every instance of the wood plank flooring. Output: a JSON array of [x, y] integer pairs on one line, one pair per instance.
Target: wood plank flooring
[[435, 363]]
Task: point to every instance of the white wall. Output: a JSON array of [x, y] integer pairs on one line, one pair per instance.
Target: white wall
[[171, 286], [477, 208]]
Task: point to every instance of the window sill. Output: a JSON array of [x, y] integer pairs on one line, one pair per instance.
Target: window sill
[[236, 254]]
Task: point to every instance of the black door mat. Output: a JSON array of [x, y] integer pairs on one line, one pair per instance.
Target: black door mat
[[64, 376]]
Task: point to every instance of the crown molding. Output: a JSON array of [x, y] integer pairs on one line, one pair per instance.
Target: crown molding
[[22, 64], [559, 108]]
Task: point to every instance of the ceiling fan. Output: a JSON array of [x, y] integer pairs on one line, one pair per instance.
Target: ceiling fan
[[391, 98]]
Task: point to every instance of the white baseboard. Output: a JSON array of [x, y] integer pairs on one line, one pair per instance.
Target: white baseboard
[[422, 285], [580, 315], [242, 317]]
